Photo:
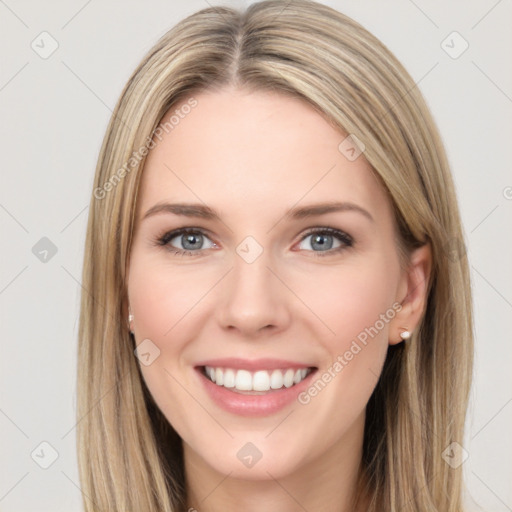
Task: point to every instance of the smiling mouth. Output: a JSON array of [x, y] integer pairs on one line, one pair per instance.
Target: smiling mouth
[[255, 382]]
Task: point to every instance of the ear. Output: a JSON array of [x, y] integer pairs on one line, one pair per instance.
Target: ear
[[125, 306], [125, 312], [412, 293]]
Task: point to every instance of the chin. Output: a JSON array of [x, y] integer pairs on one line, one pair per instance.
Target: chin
[[253, 458]]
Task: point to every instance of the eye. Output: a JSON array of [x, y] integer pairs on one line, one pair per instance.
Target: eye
[[325, 240], [190, 241]]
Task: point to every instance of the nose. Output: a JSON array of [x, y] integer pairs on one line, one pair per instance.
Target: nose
[[253, 300]]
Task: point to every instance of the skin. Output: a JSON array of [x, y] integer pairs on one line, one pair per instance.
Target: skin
[[252, 156]]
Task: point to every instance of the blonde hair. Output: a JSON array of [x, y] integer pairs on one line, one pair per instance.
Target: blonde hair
[[130, 457]]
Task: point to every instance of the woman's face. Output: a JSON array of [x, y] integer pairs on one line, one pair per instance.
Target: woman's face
[[273, 288]]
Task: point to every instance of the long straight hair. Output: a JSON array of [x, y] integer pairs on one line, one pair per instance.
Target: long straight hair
[[130, 457]]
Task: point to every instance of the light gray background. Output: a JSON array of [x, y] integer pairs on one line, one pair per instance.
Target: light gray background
[[54, 113]]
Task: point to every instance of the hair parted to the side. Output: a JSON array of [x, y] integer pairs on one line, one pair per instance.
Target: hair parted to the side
[[130, 458]]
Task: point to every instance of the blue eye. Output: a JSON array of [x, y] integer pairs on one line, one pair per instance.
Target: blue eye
[[192, 240], [323, 239]]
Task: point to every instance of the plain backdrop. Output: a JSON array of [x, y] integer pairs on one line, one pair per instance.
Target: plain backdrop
[[54, 111]]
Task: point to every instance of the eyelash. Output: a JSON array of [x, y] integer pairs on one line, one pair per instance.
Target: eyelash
[[344, 238]]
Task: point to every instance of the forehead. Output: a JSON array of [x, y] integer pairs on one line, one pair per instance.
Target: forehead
[[238, 150]]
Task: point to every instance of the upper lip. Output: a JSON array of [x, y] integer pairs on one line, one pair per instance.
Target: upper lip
[[253, 364]]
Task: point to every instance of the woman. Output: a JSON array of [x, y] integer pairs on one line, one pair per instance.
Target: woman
[[276, 311]]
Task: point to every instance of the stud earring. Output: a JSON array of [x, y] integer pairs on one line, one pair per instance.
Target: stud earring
[[130, 320], [405, 335]]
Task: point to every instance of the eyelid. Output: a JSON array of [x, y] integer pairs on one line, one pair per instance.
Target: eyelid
[[332, 231]]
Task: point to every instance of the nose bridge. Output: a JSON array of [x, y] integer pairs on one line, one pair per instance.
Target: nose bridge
[[254, 297], [251, 276]]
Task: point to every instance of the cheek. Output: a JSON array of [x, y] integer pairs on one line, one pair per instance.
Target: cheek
[[164, 301], [356, 304], [161, 296], [350, 299]]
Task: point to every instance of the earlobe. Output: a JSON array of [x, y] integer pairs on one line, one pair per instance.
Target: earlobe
[[127, 315], [413, 295], [130, 320], [405, 335]]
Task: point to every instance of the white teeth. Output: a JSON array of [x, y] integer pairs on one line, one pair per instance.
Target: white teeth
[[261, 380], [229, 378], [288, 378], [243, 380], [276, 379]]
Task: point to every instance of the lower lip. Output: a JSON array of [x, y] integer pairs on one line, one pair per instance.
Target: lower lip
[[253, 405]]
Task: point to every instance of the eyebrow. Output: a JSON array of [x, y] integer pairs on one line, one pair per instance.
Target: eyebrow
[[205, 212]]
